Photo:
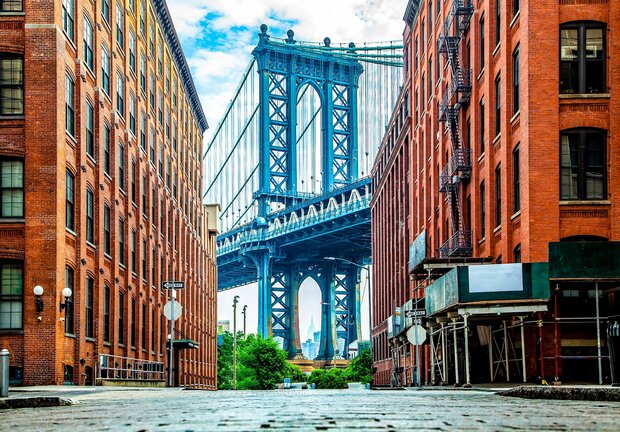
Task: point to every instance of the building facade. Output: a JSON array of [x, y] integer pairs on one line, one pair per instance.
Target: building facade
[[512, 168], [100, 140]]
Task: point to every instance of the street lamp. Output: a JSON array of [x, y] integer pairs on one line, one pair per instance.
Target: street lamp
[[330, 258], [66, 293], [244, 312], [38, 292], [235, 301]]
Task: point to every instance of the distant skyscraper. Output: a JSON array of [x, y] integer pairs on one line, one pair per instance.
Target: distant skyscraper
[[310, 347]]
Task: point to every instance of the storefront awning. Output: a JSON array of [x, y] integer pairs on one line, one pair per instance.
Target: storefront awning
[[589, 261], [496, 285]]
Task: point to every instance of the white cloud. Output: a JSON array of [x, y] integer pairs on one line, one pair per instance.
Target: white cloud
[[217, 68]]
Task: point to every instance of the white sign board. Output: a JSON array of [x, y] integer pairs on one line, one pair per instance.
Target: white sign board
[[416, 335], [495, 278], [178, 310]]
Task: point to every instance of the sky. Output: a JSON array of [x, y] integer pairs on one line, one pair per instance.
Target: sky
[[218, 37]]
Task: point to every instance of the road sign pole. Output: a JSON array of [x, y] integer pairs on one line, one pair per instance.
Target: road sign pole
[[174, 296]]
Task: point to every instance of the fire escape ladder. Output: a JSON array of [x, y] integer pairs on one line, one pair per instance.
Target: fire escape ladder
[[457, 94]]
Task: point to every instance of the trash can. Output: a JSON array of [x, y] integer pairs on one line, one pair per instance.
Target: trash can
[[613, 344]]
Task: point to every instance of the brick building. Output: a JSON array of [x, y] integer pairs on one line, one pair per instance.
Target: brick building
[[100, 165], [494, 194]]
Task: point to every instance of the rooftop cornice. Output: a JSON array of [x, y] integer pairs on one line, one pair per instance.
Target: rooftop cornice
[[411, 12], [165, 20]]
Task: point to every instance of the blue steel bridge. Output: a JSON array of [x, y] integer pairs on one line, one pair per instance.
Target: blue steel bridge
[[292, 156]]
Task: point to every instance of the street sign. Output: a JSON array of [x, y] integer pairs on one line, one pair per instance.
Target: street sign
[[416, 335], [418, 321], [173, 285], [415, 313], [173, 313]]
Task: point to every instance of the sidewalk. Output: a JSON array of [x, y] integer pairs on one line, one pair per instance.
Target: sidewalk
[[569, 392]]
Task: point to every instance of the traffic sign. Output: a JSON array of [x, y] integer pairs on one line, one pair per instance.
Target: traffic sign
[[416, 335], [415, 313], [173, 285], [173, 310]]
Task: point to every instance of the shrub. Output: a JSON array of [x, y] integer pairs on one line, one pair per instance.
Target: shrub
[[328, 379]]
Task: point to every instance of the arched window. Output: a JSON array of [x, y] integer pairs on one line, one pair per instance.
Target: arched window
[[582, 58], [583, 155]]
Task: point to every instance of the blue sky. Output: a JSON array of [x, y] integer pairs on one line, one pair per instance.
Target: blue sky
[[218, 37]]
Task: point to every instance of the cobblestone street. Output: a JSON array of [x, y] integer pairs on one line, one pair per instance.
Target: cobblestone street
[[171, 409]]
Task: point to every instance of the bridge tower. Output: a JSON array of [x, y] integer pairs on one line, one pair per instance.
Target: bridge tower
[[284, 69]]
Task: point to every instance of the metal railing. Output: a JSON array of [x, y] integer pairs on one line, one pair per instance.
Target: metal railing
[[127, 368], [457, 245]]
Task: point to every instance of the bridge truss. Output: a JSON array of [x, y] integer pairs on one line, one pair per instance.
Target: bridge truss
[[292, 154]]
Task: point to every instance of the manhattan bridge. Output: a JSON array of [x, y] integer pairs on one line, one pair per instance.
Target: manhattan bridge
[[293, 153]]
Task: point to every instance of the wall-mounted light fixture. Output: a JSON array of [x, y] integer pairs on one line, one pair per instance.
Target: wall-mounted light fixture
[[66, 293], [38, 293]]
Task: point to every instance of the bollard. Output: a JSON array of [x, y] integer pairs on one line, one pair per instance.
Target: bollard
[[4, 373]]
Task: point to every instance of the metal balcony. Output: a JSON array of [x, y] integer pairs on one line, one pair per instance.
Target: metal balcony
[[459, 245], [457, 169]]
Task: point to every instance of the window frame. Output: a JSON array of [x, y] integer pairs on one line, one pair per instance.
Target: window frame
[[516, 89], [14, 299], [13, 86], [106, 66], [582, 178], [89, 305], [498, 195], [582, 27], [90, 216], [68, 18], [12, 189], [70, 201], [89, 42], [516, 178], [69, 305]]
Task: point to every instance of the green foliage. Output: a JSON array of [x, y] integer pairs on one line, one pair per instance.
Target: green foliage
[[294, 372], [261, 364], [360, 369], [328, 379]]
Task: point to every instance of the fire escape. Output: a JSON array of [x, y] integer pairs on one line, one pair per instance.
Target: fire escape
[[456, 95]]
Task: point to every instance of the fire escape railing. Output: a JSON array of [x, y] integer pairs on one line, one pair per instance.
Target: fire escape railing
[[456, 95]]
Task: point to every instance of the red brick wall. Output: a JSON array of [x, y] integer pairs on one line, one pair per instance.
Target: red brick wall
[[44, 243]]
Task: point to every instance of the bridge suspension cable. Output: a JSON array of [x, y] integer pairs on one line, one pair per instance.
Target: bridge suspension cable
[[233, 150]]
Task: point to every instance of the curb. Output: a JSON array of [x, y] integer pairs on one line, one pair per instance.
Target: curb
[[565, 393], [36, 402]]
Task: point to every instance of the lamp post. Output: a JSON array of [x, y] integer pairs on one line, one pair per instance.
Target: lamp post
[[362, 296], [235, 301], [244, 312]]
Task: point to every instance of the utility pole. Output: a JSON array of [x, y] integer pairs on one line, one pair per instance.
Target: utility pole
[[244, 312], [235, 301]]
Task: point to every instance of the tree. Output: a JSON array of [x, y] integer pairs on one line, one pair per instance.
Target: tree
[[262, 364], [360, 369]]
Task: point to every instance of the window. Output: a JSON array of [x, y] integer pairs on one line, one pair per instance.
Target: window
[[516, 5], [144, 317], [160, 56], [151, 39], [152, 91], [11, 84], [120, 26], [498, 195], [120, 94], [11, 6], [144, 272], [68, 18], [121, 241], [133, 181], [90, 130], [133, 252], [11, 188], [422, 37], [121, 166], [498, 21], [88, 44], [106, 230], [483, 213], [144, 195], [11, 295], [152, 145], [582, 58], [134, 322], [90, 301], [516, 178], [143, 131], [152, 329], [106, 313], [142, 23], [160, 160], [430, 18], [90, 216], [105, 70], [482, 54], [121, 318], [516, 105], [160, 107], [105, 10], [132, 51], [482, 127], [106, 149], [132, 113], [498, 105], [142, 73], [70, 202], [153, 266], [430, 76], [583, 164], [517, 253], [69, 105], [153, 212], [69, 315]]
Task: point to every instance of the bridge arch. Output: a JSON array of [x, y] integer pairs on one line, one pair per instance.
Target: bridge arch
[[309, 142]]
